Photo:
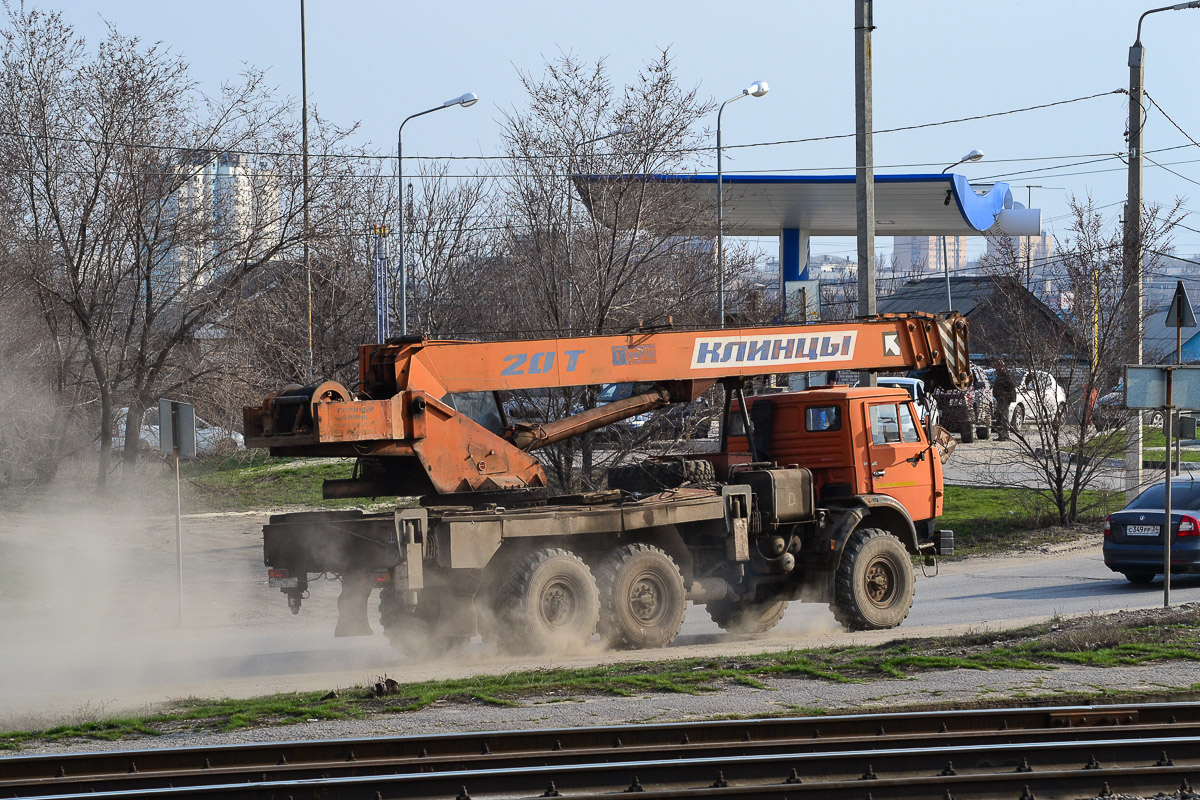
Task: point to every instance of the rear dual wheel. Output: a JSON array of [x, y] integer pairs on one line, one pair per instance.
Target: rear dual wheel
[[549, 603], [745, 616], [642, 597], [413, 629]]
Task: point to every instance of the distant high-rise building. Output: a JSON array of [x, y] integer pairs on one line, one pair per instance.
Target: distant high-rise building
[[915, 254], [224, 208]]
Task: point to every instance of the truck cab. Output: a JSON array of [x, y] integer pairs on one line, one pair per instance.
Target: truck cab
[[855, 441]]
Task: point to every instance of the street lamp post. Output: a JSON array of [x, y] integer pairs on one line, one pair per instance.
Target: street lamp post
[[466, 101], [1132, 244], [974, 155], [626, 128], [756, 89]]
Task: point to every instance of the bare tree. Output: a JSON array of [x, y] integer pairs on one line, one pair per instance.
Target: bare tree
[[145, 204], [575, 271], [1077, 340]]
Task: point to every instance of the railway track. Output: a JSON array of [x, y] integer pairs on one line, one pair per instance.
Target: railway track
[[1081, 751]]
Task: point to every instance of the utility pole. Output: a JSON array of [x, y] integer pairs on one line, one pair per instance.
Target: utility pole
[[308, 375], [1131, 279], [864, 161], [1132, 258]]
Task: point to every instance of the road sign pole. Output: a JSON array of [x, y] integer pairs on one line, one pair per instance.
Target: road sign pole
[[178, 539], [178, 510], [1167, 413]]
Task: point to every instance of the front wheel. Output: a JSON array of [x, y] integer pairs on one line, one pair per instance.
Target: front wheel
[[1156, 419], [642, 597], [873, 588], [1018, 416]]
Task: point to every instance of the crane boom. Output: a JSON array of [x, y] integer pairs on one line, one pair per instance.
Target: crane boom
[[405, 415]]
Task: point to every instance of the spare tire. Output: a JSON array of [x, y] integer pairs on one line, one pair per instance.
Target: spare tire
[[657, 475]]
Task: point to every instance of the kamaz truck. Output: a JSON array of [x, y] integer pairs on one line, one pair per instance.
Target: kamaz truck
[[824, 495]]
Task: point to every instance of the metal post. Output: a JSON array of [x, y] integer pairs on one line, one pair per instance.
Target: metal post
[[466, 101], [400, 230], [567, 317], [304, 146], [720, 224], [1178, 360], [864, 161], [178, 511], [946, 267], [1167, 412]]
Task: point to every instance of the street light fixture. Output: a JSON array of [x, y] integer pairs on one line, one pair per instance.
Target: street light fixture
[[466, 101], [756, 89], [974, 155], [617, 131]]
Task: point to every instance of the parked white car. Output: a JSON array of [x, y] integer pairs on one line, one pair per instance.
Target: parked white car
[[1039, 397], [210, 439], [923, 400]]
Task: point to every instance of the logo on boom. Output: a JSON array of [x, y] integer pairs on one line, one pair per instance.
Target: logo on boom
[[726, 351]]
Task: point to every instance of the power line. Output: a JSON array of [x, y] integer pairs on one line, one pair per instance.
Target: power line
[[679, 151], [1168, 116], [1173, 172]]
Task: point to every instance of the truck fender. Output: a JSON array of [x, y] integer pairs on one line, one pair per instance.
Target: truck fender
[[876, 511]]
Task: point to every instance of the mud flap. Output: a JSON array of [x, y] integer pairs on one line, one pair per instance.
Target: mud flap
[[352, 605]]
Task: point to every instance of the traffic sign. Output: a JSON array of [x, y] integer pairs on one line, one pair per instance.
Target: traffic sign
[[1179, 313]]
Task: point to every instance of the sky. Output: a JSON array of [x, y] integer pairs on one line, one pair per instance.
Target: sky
[[374, 62]]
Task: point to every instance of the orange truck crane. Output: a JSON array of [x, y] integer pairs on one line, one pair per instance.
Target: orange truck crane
[[821, 495]]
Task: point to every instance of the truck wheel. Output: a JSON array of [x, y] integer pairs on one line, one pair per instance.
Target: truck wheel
[[743, 616], [413, 629], [968, 433], [873, 587], [642, 597], [656, 475], [550, 603]]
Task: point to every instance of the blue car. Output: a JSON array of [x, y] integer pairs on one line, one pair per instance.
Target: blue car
[[1133, 537]]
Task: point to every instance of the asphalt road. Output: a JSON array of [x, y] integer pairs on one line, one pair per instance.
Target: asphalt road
[[86, 643]]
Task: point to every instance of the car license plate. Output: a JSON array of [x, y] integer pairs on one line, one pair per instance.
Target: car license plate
[[1142, 530], [283, 583]]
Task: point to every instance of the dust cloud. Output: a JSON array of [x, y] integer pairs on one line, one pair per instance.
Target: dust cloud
[[89, 615], [90, 619]]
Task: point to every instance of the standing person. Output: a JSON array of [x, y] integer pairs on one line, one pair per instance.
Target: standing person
[[1006, 394]]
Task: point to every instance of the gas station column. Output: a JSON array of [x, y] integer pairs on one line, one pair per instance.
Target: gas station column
[[793, 254]]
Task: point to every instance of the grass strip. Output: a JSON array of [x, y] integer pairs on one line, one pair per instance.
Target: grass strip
[[1124, 639], [992, 521]]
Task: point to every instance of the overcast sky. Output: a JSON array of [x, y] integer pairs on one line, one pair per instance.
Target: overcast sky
[[376, 61]]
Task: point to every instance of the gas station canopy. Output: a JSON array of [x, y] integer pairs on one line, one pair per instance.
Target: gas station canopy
[[795, 208], [824, 205]]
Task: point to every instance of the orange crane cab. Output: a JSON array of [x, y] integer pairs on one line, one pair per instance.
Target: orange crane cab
[[823, 495], [856, 442]]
